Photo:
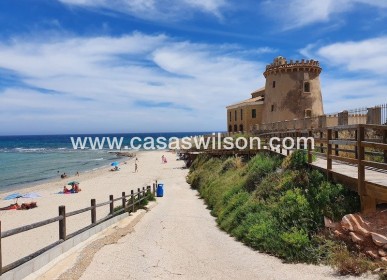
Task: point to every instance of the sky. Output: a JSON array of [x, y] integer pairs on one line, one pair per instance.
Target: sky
[[127, 66]]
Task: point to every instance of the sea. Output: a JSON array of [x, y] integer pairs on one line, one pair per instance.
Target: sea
[[30, 160]]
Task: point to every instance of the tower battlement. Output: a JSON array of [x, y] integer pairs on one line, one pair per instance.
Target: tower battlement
[[281, 65]]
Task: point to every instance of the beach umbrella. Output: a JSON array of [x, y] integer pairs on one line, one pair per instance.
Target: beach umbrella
[[73, 183], [31, 195], [115, 163], [12, 196]]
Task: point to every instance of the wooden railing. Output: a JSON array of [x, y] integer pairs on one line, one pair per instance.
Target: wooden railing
[[362, 146], [128, 204]]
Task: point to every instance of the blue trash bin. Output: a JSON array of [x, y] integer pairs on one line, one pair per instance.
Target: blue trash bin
[[160, 190]]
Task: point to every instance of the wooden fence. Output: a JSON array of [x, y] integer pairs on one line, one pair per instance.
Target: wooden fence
[[128, 203], [362, 146]]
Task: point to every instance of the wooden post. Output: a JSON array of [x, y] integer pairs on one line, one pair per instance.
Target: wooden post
[[148, 190], [329, 153], [385, 142], [139, 194], [361, 155], [62, 223], [154, 188], [93, 212], [368, 204], [336, 146], [309, 144], [356, 150], [321, 144], [111, 212], [132, 199], [123, 200]]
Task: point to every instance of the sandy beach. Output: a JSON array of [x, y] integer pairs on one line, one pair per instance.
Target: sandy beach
[[97, 184], [177, 239]]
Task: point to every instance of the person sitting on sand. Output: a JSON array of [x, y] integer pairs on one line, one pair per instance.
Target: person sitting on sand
[[65, 190], [75, 189]]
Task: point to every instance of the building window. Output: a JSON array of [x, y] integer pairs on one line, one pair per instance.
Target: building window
[[235, 115], [272, 108], [229, 116], [230, 128], [241, 128], [235, 128], [273, 84], [254, 113], [241, 114], [306, 87], [308, 113]]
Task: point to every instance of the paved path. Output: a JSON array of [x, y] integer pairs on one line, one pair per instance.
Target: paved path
[[179, 239]]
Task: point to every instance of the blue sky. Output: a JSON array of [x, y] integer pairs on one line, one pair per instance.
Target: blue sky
[[91, 66]]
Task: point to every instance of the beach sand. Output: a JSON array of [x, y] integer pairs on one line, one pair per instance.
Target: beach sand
[[97, 184]]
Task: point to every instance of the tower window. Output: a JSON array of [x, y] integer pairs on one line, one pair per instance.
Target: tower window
[[306, 87], [235, 115], [241, 114], [235, 128], [272, 108], [229, 116], [273, 84], [229, 128], [241, 127], [254, 113], [308, 113]]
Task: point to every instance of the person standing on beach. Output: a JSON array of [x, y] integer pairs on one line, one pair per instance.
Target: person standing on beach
[[135, 167]]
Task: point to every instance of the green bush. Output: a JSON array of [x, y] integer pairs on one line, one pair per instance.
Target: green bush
[[296, 160], [258, 168], [274, 210]]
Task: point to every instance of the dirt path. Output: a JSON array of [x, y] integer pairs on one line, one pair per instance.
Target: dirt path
[[179, 239]]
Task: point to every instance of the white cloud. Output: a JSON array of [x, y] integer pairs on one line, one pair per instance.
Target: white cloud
[[299, 13], [101, 82], [155, 9], [363, 57], [354, 72]]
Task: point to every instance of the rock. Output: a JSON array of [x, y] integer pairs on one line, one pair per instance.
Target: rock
[[382, 253], [378, 239], [372, 253], [353, 222], [330, 224], [384, 259], [356, 237], [338, 233]]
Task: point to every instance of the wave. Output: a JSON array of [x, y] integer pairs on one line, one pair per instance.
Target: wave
[[30, 149]]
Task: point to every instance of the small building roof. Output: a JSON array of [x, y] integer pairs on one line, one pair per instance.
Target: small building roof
[[257, 100], [262, 89]]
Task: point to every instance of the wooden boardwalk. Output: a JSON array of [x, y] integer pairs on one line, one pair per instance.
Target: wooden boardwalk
[[355, 156]]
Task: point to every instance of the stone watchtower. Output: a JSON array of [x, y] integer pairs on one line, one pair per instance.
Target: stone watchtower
[[292, 90]]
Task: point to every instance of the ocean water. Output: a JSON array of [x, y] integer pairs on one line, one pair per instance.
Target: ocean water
[[28, 160]]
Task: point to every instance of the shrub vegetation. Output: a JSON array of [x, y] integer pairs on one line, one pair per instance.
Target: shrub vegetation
[[273, 205]]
